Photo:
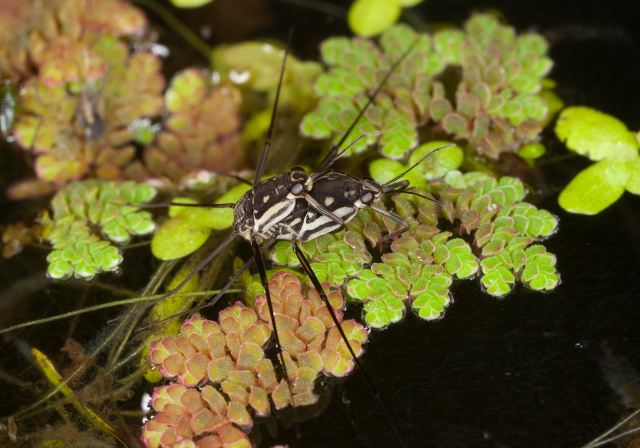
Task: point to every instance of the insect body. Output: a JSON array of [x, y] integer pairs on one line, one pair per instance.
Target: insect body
[[285, 207], [267, 210], [299, 207]]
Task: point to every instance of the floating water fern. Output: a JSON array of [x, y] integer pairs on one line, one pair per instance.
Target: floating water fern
[[75, 117], [201, 130], [501, 97], [223, 378], [82, 207]]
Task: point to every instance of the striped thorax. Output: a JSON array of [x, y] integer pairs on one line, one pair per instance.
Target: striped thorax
[[272, 207]]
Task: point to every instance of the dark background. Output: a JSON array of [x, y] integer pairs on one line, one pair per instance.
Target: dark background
[[532, 370]]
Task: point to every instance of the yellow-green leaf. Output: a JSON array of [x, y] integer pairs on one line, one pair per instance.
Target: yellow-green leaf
[[596, 135], [222, 218], [190, 3], [178, 237], [371, 17], [633, 185], [56, 381], [596, 188]]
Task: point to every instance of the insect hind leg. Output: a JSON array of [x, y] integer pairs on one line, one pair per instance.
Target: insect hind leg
[[262, 271], [316, 284]]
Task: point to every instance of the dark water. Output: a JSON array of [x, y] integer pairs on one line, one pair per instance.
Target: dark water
[[533, 370]]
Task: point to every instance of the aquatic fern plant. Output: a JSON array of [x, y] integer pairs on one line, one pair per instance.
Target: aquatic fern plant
[[222, 377], [484, 85], [75, 116], [89, 218], [200, 131]]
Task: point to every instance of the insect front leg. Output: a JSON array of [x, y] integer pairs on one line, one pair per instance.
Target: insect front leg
[[405, 225]]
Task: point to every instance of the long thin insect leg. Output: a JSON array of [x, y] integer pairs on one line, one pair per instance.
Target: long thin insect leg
[[170, 204], [257, 255], [198, 268], [217, 297], [316, 284], [333, 153]]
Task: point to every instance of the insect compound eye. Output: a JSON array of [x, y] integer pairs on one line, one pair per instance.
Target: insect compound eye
[[366, 198], [298, 174], [297, 189]]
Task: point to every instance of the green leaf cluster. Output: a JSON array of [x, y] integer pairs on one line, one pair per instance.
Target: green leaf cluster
[[80, 210], [420, 269], [607, 141], [504, 228], [358, 66], [484, 84]]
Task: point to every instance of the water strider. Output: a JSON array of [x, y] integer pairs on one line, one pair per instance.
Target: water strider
[[298, 206]]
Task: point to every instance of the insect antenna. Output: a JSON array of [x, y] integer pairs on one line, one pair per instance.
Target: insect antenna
[[415, 193], [393, 187], [335, 153], [390, 185]]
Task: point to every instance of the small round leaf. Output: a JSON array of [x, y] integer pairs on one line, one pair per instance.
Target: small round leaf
[[595, 188], [596, 135], [371, 17], [178, 237]]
